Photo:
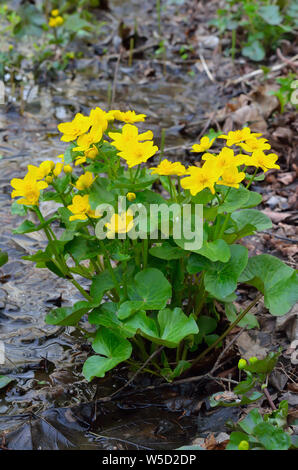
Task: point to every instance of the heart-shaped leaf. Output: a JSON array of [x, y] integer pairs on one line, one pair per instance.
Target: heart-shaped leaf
[[113, 349], [221, 278], [149, 291], [277, 281], [68, 316], [170, 327]]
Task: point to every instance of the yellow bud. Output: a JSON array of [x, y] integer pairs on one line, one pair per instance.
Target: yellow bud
[[131, 196], [58, 169], [49, 179], [55, 12], [67, 169], [253, 360], [242, 363], [243, 445]]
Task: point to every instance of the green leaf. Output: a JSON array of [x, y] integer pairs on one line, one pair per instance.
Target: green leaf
[[4, 381], [235, 199], [252, 419], [254, 51], [248, 321], [82, 249], [18, 209], [27, 226], [68, 316], [215, 251], [275, 279], [74, 23], [167, 252], [272, 438], [270, 14], [169, 329], [99, 194], [251, 217], [150, 289], [101, 283], [106, 315], [3, 258], [235, 438], [221, 278], [113, 349]]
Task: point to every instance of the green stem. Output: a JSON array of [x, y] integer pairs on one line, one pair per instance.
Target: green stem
[[81, 290], [252, 179], [145, 253]]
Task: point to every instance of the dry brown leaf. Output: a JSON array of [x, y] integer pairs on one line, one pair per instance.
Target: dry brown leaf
[[276, 217]]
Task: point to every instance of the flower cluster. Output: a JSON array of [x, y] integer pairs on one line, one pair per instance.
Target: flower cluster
[[55, 19], [87, 135]]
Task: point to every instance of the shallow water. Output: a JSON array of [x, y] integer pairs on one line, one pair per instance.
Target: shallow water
[[45, 361]]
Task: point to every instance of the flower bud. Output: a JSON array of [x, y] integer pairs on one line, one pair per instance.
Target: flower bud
[[131, 196], [49, 179], [243, 445], [253, 360], [67, 169], [242, 363]]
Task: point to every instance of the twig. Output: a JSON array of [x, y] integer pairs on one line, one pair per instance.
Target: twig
[[288, 240], [155, 353], [268, 396], [205, 66], [115, 80], [216, 365], [258, 72]]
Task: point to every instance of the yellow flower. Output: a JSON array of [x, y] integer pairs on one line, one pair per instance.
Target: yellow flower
[[67, 169], [199, 179], [235, 137], [55, 20], [55, 12], [138, 152], [52, 22], [225, 159], [58, 168], [205, 144], [62, 157], [129, 134], [120, 223], [84, 181], [261, 160], [81, 209], [49, 179], [28, 188], [231, 177], [39, 172], [59, 21], [166, 168], [131, 196], [91, 153], [128, 116], [99, 118], [252, 144], [85, 140], [72, 130]]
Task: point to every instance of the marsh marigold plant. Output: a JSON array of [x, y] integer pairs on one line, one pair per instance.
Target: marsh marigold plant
[[150, 293]]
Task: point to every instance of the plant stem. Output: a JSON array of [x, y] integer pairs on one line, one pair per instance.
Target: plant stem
[[80, 288], [252, 179], [230, 328]]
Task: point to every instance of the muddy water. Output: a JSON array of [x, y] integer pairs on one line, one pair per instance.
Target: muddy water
[[45, 361]]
